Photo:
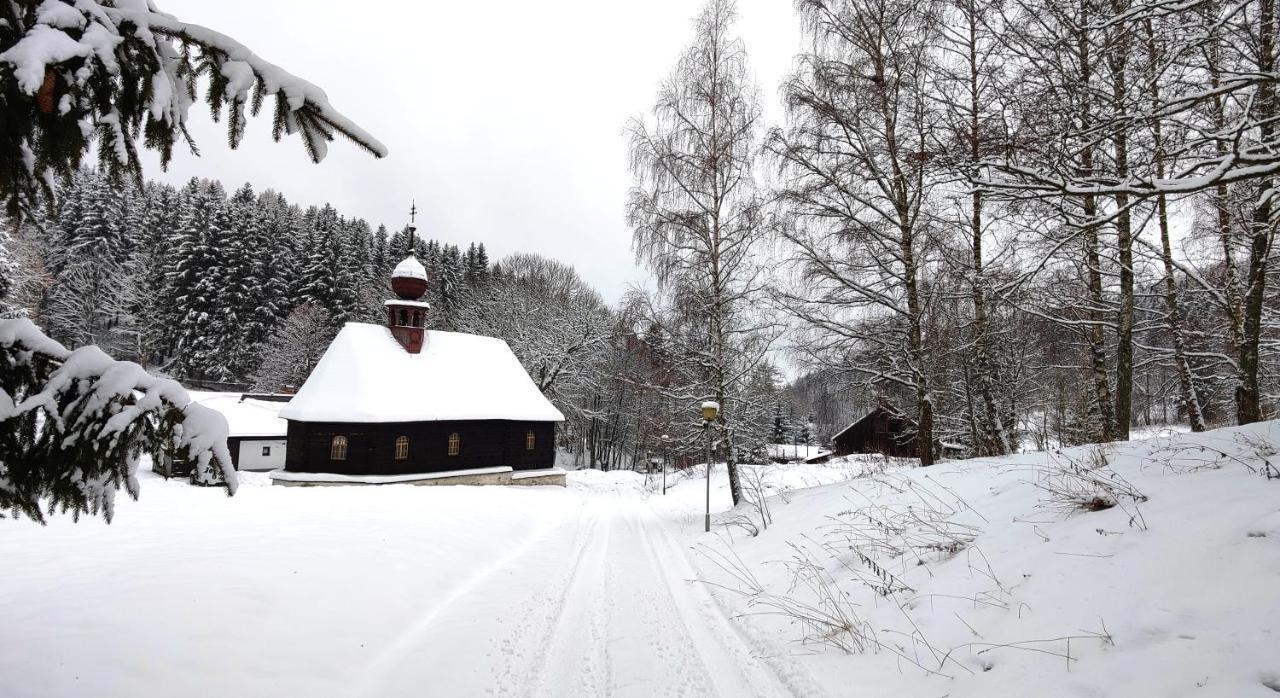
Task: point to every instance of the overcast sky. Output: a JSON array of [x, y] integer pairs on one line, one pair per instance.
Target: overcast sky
[[504, 118]]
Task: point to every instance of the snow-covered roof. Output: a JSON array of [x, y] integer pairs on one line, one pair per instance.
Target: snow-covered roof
[[408, 304], [366, 376], [410, 268], [797, 452], [246, 417], [886, 407]]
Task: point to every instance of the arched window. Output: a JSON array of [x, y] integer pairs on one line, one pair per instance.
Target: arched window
[[338, 448], [402, 448], [404, 317], [455, 444], [530, 440]]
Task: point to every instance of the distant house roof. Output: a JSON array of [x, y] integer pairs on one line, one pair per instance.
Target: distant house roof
[[246, 417], [367, 376], [886, 407]]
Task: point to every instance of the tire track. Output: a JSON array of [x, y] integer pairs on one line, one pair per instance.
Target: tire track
[[740, 664]]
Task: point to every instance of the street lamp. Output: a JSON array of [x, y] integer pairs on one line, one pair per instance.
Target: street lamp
[[709, 411], [666, 456]]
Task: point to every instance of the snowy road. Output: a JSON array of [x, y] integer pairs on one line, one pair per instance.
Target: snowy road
[[599, 604], [397, 590]]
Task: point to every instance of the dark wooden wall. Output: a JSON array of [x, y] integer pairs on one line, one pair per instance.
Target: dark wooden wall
[[371, 447], [879, 432]]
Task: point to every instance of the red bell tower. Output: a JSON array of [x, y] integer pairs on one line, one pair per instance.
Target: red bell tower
[[407, 313]]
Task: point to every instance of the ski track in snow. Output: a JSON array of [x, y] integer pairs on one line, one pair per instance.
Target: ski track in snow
[[400, 650], [601, 603]]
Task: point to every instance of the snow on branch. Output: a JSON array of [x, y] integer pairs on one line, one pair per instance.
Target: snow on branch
[[239, 70], [73, 425], [120, 71]]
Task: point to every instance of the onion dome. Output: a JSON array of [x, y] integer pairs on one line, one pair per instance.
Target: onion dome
[[409, 280]]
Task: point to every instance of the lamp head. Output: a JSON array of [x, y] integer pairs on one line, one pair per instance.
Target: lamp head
[[710, 410]]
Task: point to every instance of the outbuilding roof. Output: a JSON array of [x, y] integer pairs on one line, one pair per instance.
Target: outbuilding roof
[[367, 376], [246, 417]]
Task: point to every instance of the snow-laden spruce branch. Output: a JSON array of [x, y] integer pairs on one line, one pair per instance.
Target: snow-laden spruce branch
[[121, 71], [73, 425]]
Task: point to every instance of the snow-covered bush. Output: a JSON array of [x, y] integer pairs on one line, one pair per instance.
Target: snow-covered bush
[[73, 425], [1088, 483], [120, 72]]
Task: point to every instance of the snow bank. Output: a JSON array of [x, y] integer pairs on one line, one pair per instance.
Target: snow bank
[[976, 578], [606, 482]]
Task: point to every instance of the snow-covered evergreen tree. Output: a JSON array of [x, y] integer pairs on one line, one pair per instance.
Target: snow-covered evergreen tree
[[196, 280], [401, 245], [146, 272], [8, 270], [477, 266], [450, 287], [380, 252], [87, 303]]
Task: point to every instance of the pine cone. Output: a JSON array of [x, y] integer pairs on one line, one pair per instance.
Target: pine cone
[[45, 99]]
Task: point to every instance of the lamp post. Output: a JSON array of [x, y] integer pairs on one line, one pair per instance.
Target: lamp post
[[709, 411], [666, 455]]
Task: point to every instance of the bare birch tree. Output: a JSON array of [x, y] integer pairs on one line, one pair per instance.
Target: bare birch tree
[[695, 209], [969, 92], [857, 158]]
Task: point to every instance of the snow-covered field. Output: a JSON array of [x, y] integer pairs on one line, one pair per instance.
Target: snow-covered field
[[961, 580]]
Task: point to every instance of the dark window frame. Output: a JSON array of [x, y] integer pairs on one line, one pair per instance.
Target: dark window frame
[[338, 446]]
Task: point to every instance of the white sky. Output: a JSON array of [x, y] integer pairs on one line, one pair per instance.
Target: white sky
[[504, 118]]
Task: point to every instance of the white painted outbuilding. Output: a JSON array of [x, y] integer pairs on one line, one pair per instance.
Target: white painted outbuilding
[[260, 454]]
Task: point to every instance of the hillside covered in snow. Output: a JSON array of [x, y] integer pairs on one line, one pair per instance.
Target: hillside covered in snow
[[1147, 568]]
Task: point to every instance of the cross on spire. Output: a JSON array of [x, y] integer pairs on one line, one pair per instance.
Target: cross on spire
[[413, 217]]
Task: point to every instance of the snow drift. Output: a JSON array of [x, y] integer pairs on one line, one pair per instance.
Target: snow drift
[[1132, 569]]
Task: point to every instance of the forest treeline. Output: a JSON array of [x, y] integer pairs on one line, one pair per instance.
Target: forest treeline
[[196, 282]]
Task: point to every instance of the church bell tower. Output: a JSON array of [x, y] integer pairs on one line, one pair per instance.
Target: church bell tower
[[407, 312]]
